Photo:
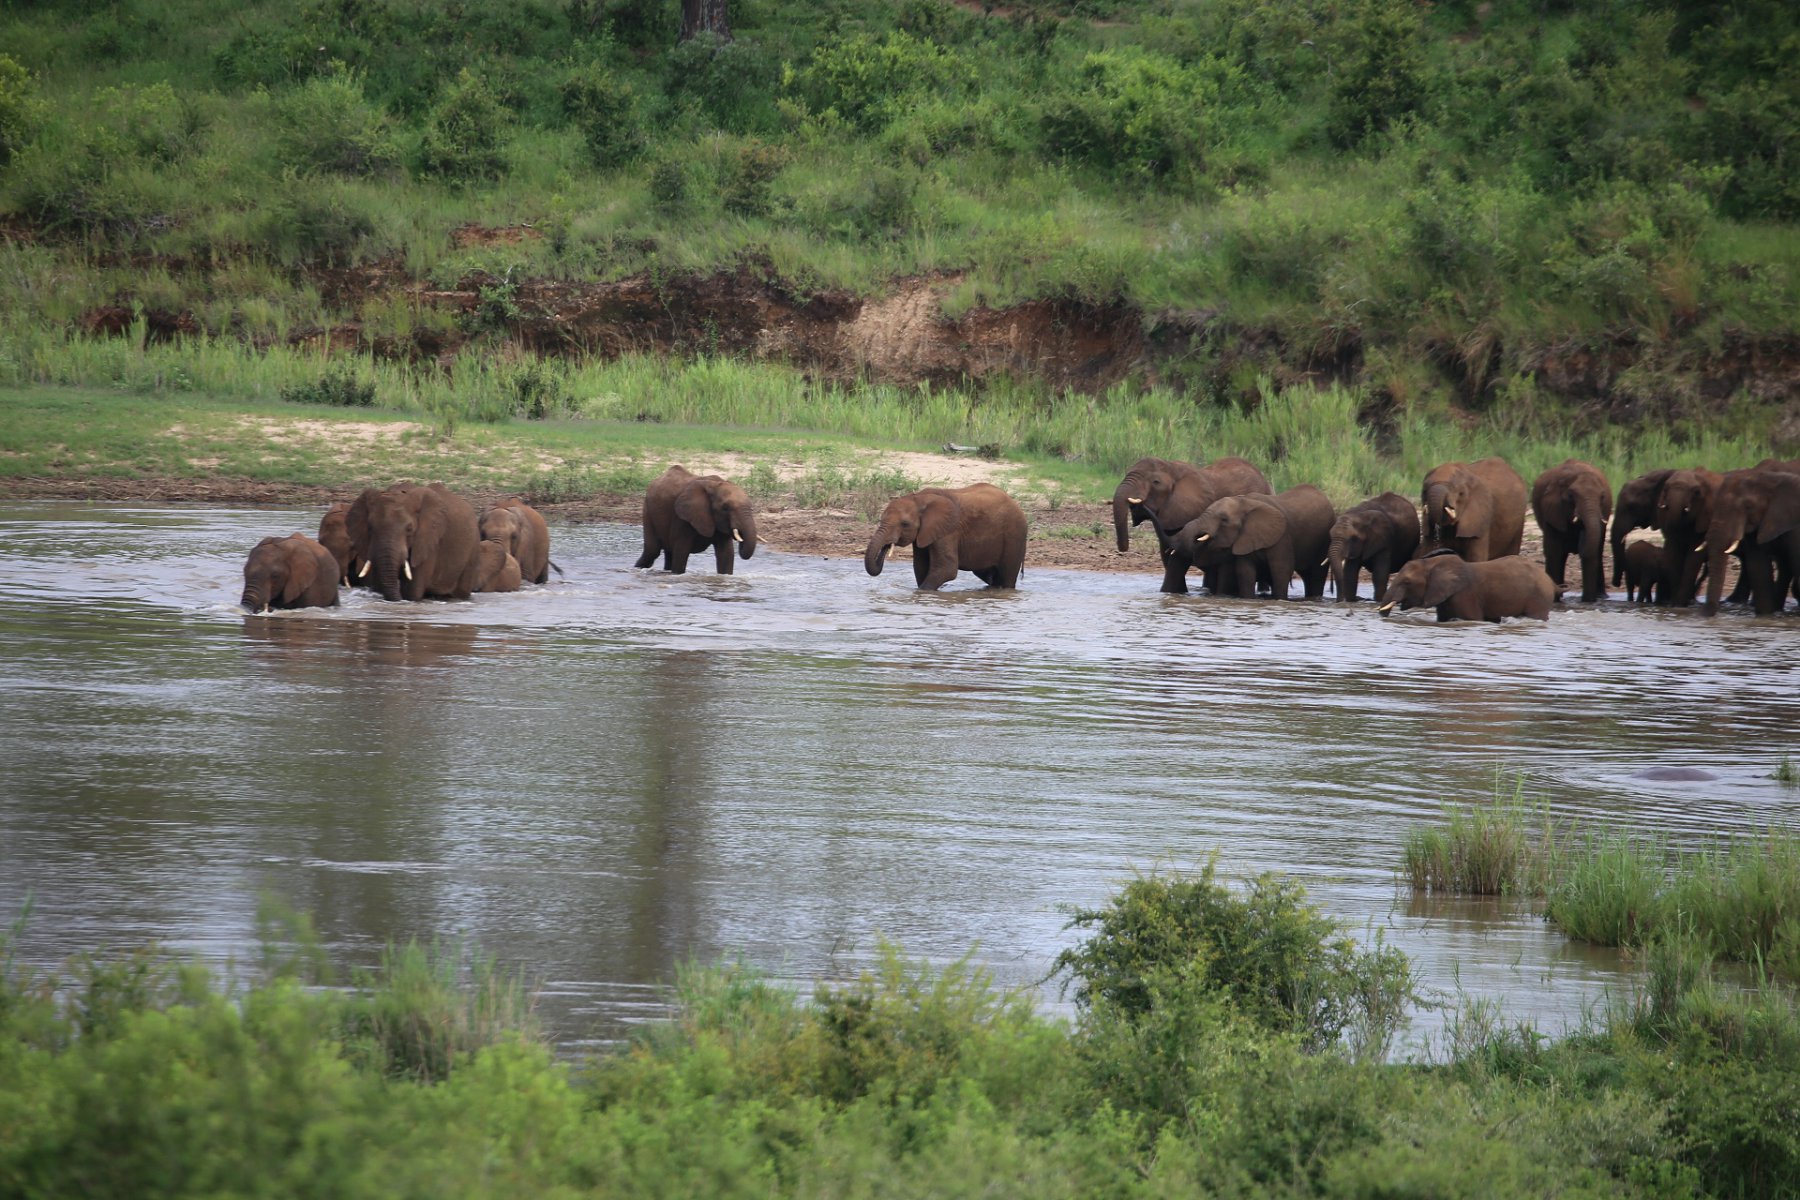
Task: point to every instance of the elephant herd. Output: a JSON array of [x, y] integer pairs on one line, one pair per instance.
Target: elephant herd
[[1459, 556]]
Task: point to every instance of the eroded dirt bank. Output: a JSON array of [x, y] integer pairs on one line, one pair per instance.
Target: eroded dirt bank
[[903, 335]]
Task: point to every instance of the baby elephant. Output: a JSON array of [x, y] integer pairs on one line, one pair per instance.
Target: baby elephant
[[685, 513], [499, 571], [979, 529], [1472, 591], [1642, 563], [289, 572]]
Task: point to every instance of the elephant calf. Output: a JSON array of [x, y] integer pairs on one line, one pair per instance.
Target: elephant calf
[[1460, 590], [499, 571], [979, 529], [1380, 534], [289, 572], [523, 534], [1642, 566], [685, 513]]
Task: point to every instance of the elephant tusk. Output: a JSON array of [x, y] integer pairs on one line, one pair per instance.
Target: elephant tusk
[[263, 611], [366, 565], [1383, 608], [1204, 537], [1733, 546], [1134, 499], [407, 567], [892, 546], [1449, 512], [736, 536]]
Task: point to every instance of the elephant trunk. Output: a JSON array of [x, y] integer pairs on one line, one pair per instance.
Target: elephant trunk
[[1592, 529], [1334, 558], [387, 572], [1618, 551], [255, 597], [745, 528], [1126, 512], [1721, 538], [875, 557]]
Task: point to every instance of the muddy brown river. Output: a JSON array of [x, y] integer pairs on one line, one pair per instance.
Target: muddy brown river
[[606, 777]]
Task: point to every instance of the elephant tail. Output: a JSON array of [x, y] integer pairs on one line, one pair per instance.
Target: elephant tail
[[554, 567]]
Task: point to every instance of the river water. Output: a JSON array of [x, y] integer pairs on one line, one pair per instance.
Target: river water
[[604, 778]]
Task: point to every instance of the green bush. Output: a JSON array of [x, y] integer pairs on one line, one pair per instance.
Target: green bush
[[868, 81], [320, 221], [1273, 958], [325, 124], [732, 82], [341, 387], [21, 109], [747, 184], [604, 109], [461, 141], [1135, 112], [1610, 891], [1382, 77]]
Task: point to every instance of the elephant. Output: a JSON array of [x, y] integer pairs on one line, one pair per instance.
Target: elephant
[[1572, 503], [979, 529], [334, 535], [499, 570], [684, 512], [1476, 509], [289, 572], [1380, 534], [1636, 509], [1170, 494], [1267, 537], [420, 542], [1643, 568], [521, 531], [1486, 590], [1755, 513], [1684, 513]]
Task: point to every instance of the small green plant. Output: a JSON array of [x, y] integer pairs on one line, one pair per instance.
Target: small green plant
[[1483, 850], [20, 108], [747, 187], [340, 386], [669, 188], [1611, 890], [415, 1018], [604, 109], [326, 124], [1786, 771]]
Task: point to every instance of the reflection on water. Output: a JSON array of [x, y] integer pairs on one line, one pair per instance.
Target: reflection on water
[[607, 776]]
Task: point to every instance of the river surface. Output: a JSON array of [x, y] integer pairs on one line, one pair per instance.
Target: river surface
[[604, 778]]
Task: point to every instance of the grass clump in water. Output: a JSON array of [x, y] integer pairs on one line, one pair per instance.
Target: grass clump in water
[[1786, 772], [1610, 891], [1500, 848]]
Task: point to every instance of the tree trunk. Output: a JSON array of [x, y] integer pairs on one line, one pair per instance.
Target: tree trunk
[[704, 16]]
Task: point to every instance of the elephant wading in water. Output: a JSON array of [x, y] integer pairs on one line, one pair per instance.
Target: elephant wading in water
[[1684, 507], [521, 531], [289, 572], [1170, 494], [1260, 537], [1379, 534], [1643, 564], [498, 570], [1490, 590], [334, 535], [979, 529], [1636, 509], [685, 513], [1572, 503], [1476, 509], [420, 542], [1755, 513]]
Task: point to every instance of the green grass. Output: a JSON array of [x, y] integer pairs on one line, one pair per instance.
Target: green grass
[[1611, 890], [1503, 847]]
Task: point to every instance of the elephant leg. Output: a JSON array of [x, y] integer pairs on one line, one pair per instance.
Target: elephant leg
[[1758, 568], [921, 565], [1281, 570], [1593, 580], [1245, 569], [1006, 575], [722, 554], [943, 569], [652, 548], [1378, 577], [1174, 576], [1556, 557], [1315, 583], [675, 560], [988, 575]]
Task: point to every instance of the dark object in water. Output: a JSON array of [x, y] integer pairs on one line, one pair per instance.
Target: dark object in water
[[1676, 774]]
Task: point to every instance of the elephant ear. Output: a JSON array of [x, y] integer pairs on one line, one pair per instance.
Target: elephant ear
[[694, 505], [1782, 515], [1475, 513], [939, 516], [1450, 576], [1264, 525], [302, 569], [356, 522], [428, 532]]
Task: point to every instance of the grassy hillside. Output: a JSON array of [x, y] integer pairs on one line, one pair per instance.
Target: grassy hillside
[[1469, 203]]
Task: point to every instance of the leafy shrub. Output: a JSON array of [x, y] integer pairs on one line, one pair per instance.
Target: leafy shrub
[[415, 1019], [325, 124], [1272, 957], [20, 108], [319, 221], [341, 387], [1755, 129], [732, 82], [1382, 78], [748, 182], [868, 81], [1610, 892], [1133, 111], [604, 108], [669, 185], [461, 142]]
